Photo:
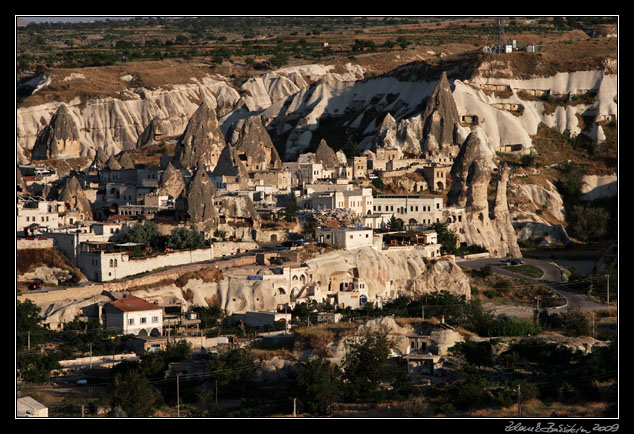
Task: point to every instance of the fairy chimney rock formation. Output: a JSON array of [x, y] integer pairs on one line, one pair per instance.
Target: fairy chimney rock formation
[[202, 141], [125, 161], [156, 130], [441, 113], [471, 174], [59, 139], [253, 145], [113, 163], [73, 195], [171, 181], [229, 164], [470, 151], [326, 156], [196, 202]]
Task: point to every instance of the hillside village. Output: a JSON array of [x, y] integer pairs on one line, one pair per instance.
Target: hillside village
[[172, 202]]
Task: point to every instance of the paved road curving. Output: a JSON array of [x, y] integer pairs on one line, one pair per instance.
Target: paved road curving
[[552, 278]]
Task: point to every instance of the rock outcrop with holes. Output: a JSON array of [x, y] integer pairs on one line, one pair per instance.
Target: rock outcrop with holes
[[230, 165], [441, 114], [196, 202], [125, 161], [202, 141], [254, 147], [471, 175], [19, 181], [171, 181], [60, 138], [73, 195], [326, 156], [156, 130]]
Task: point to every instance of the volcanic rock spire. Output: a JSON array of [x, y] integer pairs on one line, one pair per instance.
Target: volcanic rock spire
[[441, 113], [202, 141], [59, 139]]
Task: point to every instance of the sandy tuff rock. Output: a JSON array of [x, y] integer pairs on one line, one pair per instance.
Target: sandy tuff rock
[[101, 159], [202, 141], [19, 181], [406, 135], [230, 164], [155, 130], [196, 202], [326, 156], [113, 163], [253, 143], [125, 161], [171, 182], [471, 150], [471, 174], [398, 271], [75, 197], [547, 235], [595, 186], [59, 139], [440, 113], [549, 199]]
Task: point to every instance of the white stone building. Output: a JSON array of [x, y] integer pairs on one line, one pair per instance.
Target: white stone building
[[346, 238], [359, 201], [411, 209], [41, 212], [133, 315]]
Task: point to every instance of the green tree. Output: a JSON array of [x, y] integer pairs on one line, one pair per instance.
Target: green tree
[[29, 325], [352, 150], [133, 393], [210, 316], [575, 323], [290, 211], [447, 238], [378, 184], [183, 238], [234, 370], [365, 364], [310, 227], [588, 223], [395, 224], [476, 353], [143, 233], [318, 387]]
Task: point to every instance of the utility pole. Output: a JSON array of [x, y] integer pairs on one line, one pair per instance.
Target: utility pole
[[82, 410], [294, 407], [178, 398], [519, 402]]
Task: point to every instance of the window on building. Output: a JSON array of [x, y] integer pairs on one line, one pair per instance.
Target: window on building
[[130, 321], [143, 320], [155, 319]]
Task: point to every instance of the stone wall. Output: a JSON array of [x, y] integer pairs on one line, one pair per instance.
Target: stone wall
[[34, 243]]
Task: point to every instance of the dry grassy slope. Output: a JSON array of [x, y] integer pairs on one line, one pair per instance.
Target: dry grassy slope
[[559, 51]]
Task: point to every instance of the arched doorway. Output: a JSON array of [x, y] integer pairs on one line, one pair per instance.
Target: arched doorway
[[155, 332]]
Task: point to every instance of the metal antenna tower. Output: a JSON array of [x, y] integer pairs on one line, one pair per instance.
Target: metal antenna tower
[[501, 43]]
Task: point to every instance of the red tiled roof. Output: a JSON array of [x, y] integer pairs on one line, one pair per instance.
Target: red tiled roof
[[132, 304]]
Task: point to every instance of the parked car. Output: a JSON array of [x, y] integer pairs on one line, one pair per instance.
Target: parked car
[[516, 262], [505, 262]]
